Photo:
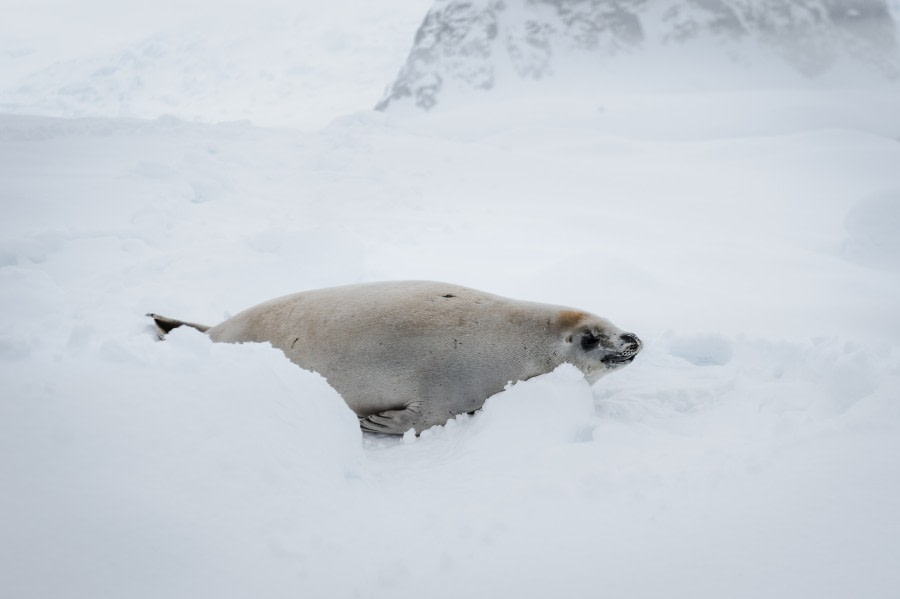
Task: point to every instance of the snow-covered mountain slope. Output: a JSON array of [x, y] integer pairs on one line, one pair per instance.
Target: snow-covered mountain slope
[[751, 450], [463, 45], [269, 62]]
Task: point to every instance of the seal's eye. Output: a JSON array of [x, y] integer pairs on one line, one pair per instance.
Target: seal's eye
[[589, 340]]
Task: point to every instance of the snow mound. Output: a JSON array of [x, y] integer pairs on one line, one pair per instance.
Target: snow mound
[[548, 410], [688, 471], [149, 465], [554, 408], [701, 350], [872, 225]]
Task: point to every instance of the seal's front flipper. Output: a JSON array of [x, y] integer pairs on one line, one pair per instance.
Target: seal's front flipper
[[164, 324], [393, 422]]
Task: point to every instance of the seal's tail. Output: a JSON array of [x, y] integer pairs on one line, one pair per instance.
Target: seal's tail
[[164, 324]]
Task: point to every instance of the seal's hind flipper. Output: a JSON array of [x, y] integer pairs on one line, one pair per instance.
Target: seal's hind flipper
[[393, 422], [164, 324]]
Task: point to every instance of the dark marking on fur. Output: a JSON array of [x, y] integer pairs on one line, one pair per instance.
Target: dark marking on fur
[[589, 341], [296, 339], [448, 295]]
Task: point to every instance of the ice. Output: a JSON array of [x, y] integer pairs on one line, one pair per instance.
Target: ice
[[702, 350], [872, 225], [747, 235]]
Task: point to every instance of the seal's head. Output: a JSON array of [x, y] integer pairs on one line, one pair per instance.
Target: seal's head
[[595, 345]]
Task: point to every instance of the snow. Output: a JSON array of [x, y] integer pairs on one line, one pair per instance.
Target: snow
[[267, 61], [748, 236]]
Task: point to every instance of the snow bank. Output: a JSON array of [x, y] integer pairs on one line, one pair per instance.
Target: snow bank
[[767, 475], [872, 225], [149, 469]]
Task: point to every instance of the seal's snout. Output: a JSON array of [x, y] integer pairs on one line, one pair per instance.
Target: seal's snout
[[628, 347]]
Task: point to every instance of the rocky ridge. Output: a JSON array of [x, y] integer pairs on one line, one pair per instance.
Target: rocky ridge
[[471, 45]]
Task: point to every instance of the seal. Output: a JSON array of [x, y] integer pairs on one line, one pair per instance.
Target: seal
[[413, 354]]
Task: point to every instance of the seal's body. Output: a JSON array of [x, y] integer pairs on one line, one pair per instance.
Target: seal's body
[[412, 354]]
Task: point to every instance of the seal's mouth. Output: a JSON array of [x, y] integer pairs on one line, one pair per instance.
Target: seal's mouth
[[622, 358]]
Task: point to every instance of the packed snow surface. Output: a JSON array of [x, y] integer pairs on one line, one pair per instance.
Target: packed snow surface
[[749, 237]]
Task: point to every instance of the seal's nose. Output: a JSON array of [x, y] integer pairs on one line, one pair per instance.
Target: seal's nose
[[634, 343]]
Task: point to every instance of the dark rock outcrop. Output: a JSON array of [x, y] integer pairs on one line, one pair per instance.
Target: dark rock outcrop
[[463, 43]]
